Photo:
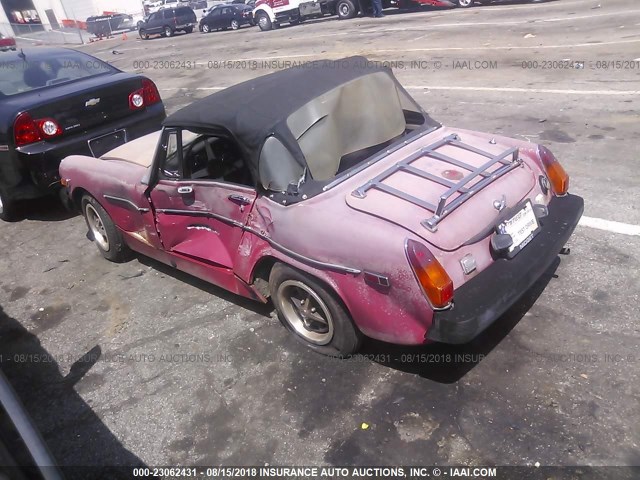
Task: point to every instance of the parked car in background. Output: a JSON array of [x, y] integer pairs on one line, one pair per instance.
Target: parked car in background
[[7, 43], [104, 25], [56, 102], [269, 14], [250, 3], [162, 4], [226, 16], [167, 21], [198, 4], [435, 231]]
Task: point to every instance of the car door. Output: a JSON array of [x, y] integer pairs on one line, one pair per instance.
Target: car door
[[225, 17], [202, 198], [216, 19], [170, 17], [154, 23]]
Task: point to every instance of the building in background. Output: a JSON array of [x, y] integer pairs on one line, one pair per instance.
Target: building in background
[[18, 16]]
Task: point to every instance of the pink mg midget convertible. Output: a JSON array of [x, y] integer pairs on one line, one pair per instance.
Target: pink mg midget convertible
[[328, 189]]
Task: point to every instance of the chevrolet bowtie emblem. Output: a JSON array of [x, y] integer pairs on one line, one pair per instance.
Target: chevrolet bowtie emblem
[[92, 103], [500, 204]]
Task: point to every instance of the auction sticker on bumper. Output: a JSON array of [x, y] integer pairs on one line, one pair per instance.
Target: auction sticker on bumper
[[522, 227]]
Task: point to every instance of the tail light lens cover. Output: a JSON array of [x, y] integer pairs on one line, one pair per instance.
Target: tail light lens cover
[[26, 130], [558, 177], [145, 96], [432, 277]]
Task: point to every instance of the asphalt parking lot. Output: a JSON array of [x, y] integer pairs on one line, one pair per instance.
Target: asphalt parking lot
[[150, 366]]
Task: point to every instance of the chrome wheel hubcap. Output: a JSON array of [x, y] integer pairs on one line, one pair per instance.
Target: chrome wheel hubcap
[[97, 227], [344, 10], [263, 21], [305, 311]]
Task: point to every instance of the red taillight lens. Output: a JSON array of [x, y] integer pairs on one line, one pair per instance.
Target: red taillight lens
[[25, 130], [432, 277], [49, 127], [136, 100], [150, 92], [147, 95], [558, 178]]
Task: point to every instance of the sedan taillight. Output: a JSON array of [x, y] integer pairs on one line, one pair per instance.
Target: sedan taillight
[[26, 130], [145, 96], [433, 278]]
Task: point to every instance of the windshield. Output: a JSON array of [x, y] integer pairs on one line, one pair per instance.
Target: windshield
[[19, 75]]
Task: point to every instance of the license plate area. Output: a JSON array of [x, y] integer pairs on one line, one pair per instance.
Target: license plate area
[[104, 143], [523, 226]]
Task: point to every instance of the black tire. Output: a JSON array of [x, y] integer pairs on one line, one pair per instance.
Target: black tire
[[143, 34], [188, 30], [206, 28], [115, 249], [346, 9], [464, 3], [168, 31], [235, 24], [264, 22], [341, 338], [7, 207]]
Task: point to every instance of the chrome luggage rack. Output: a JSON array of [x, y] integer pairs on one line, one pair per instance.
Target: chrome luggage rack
[[443, 208]]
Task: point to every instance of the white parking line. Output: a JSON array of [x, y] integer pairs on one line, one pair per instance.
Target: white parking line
[[525, 90], [505, 47], [610, 226]]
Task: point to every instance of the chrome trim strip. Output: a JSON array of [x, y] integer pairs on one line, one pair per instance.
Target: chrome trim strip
[[128, 202], [273, 243]]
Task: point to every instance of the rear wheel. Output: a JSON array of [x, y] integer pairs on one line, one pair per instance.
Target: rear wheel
[[264, 22], [7, 207], [346, 9], [235, 25], [206, 28], [104, 232], [143, 34], [168, 31], [465, 3], [312, 312], [188, 30]]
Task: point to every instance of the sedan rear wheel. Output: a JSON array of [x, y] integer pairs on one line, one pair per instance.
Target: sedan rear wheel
[[312, 312], [104, 232], [144, 35], [465, 3], [206, 28], [235, 25]]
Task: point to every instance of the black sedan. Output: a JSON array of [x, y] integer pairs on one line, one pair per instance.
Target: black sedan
[[226, 16], [56, 102]]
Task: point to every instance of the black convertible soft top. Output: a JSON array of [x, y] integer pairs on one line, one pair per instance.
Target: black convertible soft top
[[253, 110]]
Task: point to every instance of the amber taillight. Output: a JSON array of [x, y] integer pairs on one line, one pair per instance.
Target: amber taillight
[[432, 277], [558, 178]]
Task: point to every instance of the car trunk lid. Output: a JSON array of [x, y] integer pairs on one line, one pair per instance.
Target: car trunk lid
[[447, 191], [88, 103]]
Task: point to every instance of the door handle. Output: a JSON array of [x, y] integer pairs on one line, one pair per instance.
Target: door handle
[[239, 199], [185, 190]]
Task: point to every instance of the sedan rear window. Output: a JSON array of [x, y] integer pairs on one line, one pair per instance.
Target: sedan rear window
[[19, 75]]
